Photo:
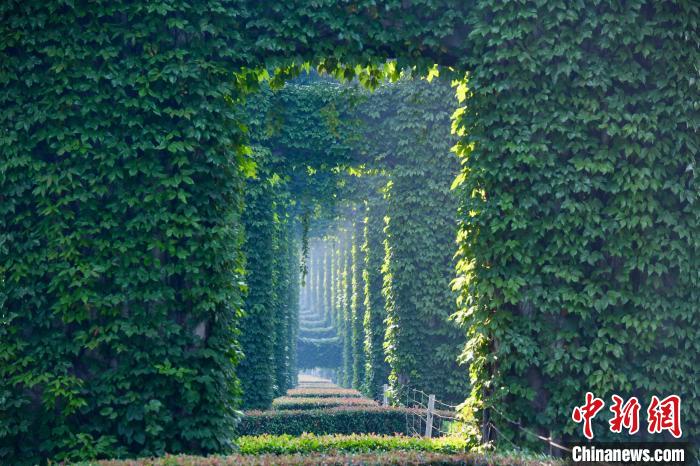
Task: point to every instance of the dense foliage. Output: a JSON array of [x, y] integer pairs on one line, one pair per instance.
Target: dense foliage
[[376, 367], [286, 287], [256, 370], [411, 119], [580, 223], [122, 184], [357, 302]]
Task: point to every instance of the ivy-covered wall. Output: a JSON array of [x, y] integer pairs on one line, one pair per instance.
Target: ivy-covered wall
[[120, 199], [347, 327], [580, 219], [293, 292], [122, 174]]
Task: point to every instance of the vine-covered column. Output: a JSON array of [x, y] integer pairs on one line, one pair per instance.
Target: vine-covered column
[[322, 290], [347, 309], [283, 302], [376, 367], [327, 266], [256, 371], [294, 263], [423, 343], [357, 304]]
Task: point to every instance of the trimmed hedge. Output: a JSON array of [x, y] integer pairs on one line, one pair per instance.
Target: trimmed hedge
[[339, 420], [323, 392], [311, 443], [295, 403], [317, 385], [338, 459]]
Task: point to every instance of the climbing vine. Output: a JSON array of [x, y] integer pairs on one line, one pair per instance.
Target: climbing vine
[[579, 219], [126, 154], [357, 302], [256, 370], [376, 367]]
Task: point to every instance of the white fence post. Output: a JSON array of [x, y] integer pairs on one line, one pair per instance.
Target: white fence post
[[385, 395], [429, 417]]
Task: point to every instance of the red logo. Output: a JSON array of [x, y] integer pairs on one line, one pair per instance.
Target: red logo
[[665, 415], [661, 415], [587, 412], [626, 415]]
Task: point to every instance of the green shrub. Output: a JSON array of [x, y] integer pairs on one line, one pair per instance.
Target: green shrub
[[323, 392], [318, 402], [339, 420], [398, 457], [311, 443], [327, 385]]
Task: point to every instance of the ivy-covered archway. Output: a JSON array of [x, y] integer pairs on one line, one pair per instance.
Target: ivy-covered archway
[[123, 161]]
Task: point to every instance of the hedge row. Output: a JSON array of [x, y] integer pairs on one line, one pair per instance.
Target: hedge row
[[338, 420], [311, 443], [338, 459], [322, 392], [296, 403], [319, 385]]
